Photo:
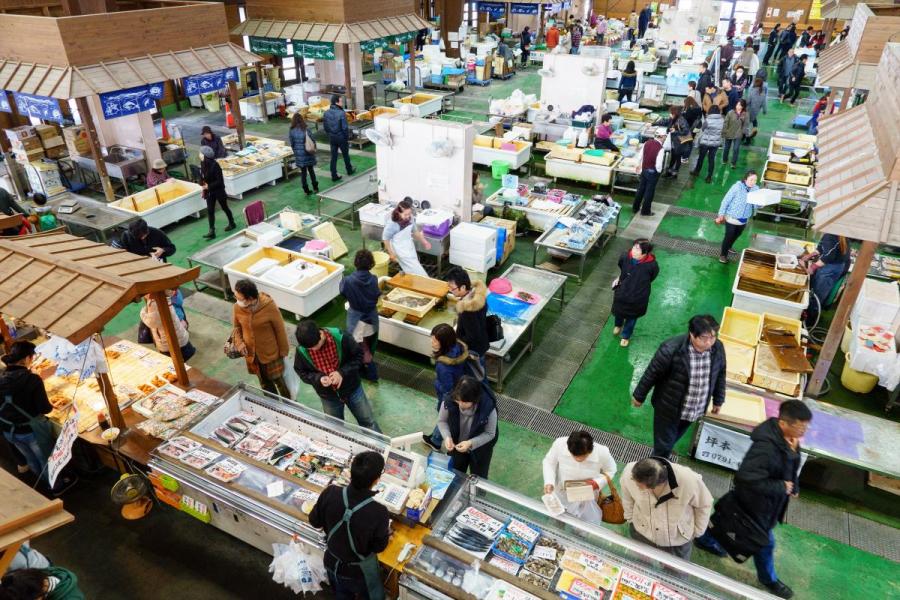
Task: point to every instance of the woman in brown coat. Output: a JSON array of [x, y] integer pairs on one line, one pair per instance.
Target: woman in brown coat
[[260, 336]]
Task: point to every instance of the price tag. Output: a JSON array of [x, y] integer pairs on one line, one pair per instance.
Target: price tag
[[544, 552], [275, 489]]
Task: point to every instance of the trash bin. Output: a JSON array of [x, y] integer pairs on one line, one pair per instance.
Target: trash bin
[[499, 168], [857, 381], [381, 264]]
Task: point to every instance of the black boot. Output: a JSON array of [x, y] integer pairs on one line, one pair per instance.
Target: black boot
[[307, 191], [372, 371], [231, 226], [210, 234]]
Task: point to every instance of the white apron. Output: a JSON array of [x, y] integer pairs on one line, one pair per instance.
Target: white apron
[[405, 250]]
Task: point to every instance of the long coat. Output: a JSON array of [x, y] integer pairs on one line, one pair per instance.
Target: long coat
[[632, 294]]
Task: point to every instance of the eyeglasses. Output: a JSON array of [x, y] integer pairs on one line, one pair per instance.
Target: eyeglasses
[[707, 337], [453, 289]]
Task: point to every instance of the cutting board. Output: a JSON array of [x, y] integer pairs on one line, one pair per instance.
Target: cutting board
[[788, 353], [422, 285]]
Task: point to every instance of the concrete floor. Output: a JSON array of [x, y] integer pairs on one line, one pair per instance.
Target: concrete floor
[[170, 554]]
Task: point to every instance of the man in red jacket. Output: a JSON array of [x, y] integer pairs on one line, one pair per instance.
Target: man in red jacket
[[552, 37], [651, 164]]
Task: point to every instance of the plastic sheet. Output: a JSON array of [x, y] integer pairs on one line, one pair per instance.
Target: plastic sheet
[[508, 309]]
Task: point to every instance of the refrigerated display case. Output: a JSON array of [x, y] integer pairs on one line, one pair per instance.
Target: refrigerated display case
[[255, 466], [522, 552]]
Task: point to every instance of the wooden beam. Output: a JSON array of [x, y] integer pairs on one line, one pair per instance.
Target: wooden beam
[[839, 322], [88, 121], [262, 93], [236, 112], [4, 333], [112, 402], [412, 66], [165, 315], [347, 88]]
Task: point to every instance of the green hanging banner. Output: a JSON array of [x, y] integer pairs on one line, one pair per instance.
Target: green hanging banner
[[391, 40], [268, 46], [313, 49]]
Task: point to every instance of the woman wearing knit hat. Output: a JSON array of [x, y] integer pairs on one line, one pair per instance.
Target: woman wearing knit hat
[[213, 183]]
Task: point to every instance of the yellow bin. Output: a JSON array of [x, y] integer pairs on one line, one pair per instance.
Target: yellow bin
[[857, 381], [381, 263]]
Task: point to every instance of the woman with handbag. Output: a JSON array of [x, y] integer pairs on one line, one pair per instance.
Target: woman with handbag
[[304, 148], [667, 505], [631, 289], [23, 409], [259, 336], [578, 458]]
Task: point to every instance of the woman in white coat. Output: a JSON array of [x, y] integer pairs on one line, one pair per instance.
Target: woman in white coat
[[578, 458], [398, 238]]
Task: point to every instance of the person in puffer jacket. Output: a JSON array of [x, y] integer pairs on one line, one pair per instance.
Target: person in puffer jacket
[[362, 292], [334, 122], [710, 141], [451, 361]]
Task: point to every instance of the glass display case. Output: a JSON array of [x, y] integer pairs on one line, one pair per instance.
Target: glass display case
[[489, 543]]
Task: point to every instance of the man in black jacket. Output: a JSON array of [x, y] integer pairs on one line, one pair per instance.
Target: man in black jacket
[[795, 79], [143, 240], [329, 360], [706, 79], [769, 476], [471, 310], [334, 122], [353, 543], [773, 43], [686, 372]]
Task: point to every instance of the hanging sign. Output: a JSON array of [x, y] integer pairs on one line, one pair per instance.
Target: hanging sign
[[521, 8], [384, 42], [208, 82], [269, 46], [130, 100], [323, 50], [4, 102], [553, 8], [62, 451], [495, 9], [40, 107]]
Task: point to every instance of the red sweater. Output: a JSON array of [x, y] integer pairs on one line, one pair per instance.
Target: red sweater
[[651, 150]]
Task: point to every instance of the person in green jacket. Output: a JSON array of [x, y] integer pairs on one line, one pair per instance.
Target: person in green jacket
[[52, 583]]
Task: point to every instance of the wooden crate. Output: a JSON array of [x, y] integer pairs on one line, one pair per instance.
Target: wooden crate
[[767, 375], [395, 301]]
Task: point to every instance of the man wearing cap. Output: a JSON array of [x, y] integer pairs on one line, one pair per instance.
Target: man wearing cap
[[157, 174], [211, 140], [335, 124]]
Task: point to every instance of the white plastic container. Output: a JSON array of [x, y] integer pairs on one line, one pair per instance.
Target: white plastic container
[[878, 303], [759, 303], [473, 247], [164, 204]]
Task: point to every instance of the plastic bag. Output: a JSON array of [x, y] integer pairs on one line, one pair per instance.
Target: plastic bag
[[291, 379], [297, 569]]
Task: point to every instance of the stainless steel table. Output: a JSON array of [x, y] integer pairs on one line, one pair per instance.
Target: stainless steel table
[[218, 254], [93, 218], [351, 193], [550, 240]]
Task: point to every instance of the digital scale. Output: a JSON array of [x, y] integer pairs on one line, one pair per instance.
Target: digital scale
[[67, 209], [402, 472]]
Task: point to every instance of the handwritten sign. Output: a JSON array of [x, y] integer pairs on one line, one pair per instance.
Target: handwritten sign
[[62, 451]]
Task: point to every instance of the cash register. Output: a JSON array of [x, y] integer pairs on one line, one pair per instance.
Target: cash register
[[403, 471]]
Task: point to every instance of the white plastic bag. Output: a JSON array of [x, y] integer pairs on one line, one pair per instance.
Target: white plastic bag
[[291, 379], [297, 569]]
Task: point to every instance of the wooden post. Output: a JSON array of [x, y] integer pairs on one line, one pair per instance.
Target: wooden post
[[540, 31], [112, 402], [412, 66], [347, 87], [845, 100], [236, 112], [88, 121], [828, 29], [165, 315], [4, 332], [262, 93], [838, 323], [828, 107]]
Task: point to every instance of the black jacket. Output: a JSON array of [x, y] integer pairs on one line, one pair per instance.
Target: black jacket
[[486, 406], [632, 294], [369, 527], [798, 72], [216, 144], [759, 482], [669, 375], [350, 358], [334, 122], [704, 81], [211, 175], [471, 322], [155, 239], [26, 389]]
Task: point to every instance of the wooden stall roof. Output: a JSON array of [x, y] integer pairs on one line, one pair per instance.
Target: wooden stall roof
[[844, 9], [340, 33], [859, 162], [72, 287], [837, 69], [82, 81], [852, 62]]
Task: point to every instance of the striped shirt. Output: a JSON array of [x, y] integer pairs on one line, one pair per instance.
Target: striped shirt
[[698, 388]]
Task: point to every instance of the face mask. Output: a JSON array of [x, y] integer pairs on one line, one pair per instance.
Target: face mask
[[243, 303]]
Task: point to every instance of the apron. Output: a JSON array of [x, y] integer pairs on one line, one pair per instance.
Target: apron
[[367, 564], [405, 249]]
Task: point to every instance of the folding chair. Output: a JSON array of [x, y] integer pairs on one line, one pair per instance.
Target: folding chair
[[254, 213]]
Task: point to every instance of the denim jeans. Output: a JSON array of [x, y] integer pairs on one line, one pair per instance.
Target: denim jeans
[[666, 434], [731, 145], [347, 588], [436, 436], [627, 326], [643, 198], [344, 147], [26, 443], [764, 559], [358, 404]]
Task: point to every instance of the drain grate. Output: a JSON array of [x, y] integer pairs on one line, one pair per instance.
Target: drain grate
[[874, 537], [819, 519], [690, 212], [689, 246]]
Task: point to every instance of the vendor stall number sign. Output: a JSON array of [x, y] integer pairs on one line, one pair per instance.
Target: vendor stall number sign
[[722, 446], [190, 505]]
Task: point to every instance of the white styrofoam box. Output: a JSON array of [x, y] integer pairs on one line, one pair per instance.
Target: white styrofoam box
[[469, 237], [473, 261], [261, 266], [375, 214], [433, 217], [877, 304]]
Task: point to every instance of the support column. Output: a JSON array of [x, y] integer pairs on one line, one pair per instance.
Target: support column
[[165, 315], [262, 92], [348, 88], [845, 100], [87, 120], [412, 66], [236, 112], [828, 107], [4, 333], [839, 322], [112, 402], [451, 19], [11, 120]]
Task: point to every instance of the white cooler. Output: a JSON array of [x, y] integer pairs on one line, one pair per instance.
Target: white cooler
[[473, 247]]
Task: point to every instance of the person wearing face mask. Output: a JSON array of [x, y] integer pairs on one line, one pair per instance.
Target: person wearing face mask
[[399, 239], [259, 335], [213, 141], [213, 182], [686, 374], [468, 424], [578, 458]]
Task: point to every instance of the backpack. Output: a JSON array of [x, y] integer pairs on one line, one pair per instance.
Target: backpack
[[494, 328], [309, 144]]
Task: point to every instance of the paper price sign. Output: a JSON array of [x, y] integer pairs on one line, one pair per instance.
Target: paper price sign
[[661, 592], [637, 581], [544, 552]]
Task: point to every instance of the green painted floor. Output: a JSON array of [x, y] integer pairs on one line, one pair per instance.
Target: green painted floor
[[815, 566]]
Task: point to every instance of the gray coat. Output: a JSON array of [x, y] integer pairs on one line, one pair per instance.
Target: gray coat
[[756, 101], [711, 131], [297, 140]]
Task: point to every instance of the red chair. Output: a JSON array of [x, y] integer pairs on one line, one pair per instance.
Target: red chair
[[254, 213]]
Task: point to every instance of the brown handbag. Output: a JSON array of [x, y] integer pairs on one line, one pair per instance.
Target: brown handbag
[[611, 506]]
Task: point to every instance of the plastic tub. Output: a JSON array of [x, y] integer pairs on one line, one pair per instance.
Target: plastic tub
[[381, 263], [857, 381], [845, 341], [499, 168]]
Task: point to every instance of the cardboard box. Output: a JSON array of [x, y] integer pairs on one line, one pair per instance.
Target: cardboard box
[[46, 132], [53, 142], [77, 140], [57, 152], [27, 143], [19, 132], [27, 156]]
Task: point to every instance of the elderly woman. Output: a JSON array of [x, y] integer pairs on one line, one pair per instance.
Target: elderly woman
[[578, 458], [666, 505], [158, 173]]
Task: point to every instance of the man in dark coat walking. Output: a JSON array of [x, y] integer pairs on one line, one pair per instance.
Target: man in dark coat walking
[[644, 21], [334, 121], [686, 372], [769, 476], [637, 270]]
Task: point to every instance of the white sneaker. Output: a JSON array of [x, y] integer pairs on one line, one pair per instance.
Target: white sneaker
[[617, 330]]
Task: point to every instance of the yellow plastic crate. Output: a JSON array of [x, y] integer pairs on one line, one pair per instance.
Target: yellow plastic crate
[[739, 360], [740, 326], [770, 320]]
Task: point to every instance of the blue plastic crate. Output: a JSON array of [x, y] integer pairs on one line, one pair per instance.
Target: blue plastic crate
[[437, 79], [452, 71]]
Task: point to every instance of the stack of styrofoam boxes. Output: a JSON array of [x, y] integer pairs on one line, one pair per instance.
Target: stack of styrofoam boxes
[[52, 140], [878, 303], [26, 145], [77, 140], [473, 247]]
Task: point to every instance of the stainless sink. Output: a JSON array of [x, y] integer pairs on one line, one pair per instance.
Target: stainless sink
[[122, 162]]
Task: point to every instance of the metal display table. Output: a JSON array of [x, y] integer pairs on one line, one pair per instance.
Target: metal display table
[[551, 238], [351, 194], [94, 218], [218, 254]]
